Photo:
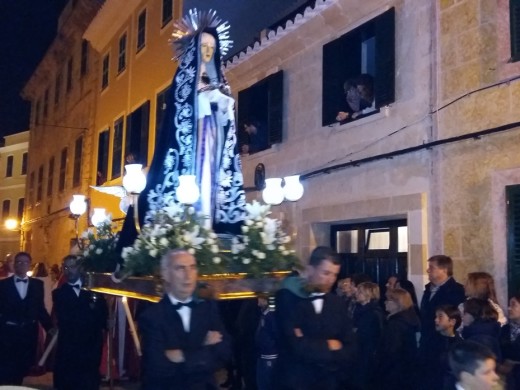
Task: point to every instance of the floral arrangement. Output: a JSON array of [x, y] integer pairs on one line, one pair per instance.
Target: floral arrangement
[[99, 249], [263, 246], [174, 227]]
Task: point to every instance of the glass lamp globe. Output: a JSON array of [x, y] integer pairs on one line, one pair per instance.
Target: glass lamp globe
[[134, 180], [98, 217], [78, 206], [293, 189], [273, 193], [11, 224], [187, 192]]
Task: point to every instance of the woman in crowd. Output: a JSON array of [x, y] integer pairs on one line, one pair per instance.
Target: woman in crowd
[[510, 345], [481, 325], [368, 326], [481, 285], [408, 286], [398, 355]]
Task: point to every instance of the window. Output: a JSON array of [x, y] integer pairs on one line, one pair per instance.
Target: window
[[21, 205], [9, 166], [359, 71], [159, 113], [50, 178], [31, 188], [24, 164], [117, 149], [39, 189], [57, 89], [78, 150], [167, 11], [104, 77], [514, 16], [37, 117], [141, 30], [84, 57], [137, 134], [46, 103], [69, 74], [63, 169], [6, 208], [102, 159], [260, 114], [121, 63]]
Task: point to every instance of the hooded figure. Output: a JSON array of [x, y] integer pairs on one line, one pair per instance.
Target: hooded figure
[[198, 135]]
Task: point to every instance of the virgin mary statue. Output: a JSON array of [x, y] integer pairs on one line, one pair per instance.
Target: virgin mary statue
[[198, 134]]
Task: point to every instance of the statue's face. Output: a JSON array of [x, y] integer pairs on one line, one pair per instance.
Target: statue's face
[[207, 47]]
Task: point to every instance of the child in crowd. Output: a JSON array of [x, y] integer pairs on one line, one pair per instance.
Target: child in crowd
[[368, 325], [473, 366], [510, 345], [481, 324], [435, 364], [266, 339]]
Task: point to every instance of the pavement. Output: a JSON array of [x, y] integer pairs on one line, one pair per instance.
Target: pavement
[[44, 382]]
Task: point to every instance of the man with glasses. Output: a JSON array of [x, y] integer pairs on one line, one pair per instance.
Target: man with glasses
[[21, 310]]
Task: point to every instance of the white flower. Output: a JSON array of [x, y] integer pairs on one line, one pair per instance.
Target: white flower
[[235, 249], [174, 210], [255, 209], [245, 229], [214, 248], [286, 239], [259, 224], [285, 253], [176, 219], [270, 247], [254, 252], [191, 251], [99, 251], [281, 248], [212, 235], [91, 247], [210, 241], [164, 241], [217, 260], [193, 238], [191, 210], [249, 222], [153, 252], [246, 261], [85, 253], [260, 255]]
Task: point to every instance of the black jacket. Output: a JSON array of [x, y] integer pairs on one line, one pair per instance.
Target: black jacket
[[510, 351], [398, 356], [450, 293], [162, 329], [486, 333]]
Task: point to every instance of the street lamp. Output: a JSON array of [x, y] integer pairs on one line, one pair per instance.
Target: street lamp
[[11, 224], [134, 182]]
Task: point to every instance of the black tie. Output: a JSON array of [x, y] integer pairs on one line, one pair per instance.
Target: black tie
[[21, 280], [179, 305], [314, 297], [75, 286]]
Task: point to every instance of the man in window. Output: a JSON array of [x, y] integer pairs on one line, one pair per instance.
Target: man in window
[[359, 93], [254, 137]]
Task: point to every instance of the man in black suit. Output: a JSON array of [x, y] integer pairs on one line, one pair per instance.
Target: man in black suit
[[82, 318], [183, 338], [316, 339], [442, 290], [21, 310]]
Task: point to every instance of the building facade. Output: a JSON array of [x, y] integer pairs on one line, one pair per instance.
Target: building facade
[[13, 173], [421, 165], [62, 92]]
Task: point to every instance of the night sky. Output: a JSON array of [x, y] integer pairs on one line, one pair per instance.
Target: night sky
[[27, 28]]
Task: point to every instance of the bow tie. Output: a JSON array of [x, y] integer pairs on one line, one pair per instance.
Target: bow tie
[[314, 297], [21, 280], [78, 286], [180, 305]]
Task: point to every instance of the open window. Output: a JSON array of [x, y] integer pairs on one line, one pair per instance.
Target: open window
[[359, 71], [136, 142], [260, 114]]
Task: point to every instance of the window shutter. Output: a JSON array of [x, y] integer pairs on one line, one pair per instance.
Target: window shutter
[[385, 58], [244, 101], [275, 108], [145, 126], [513, 238], [514, 12]]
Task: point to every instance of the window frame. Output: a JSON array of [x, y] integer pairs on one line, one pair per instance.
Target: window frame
[[70, 69], [50, 176], [9, 166], [121, 57], [39, 184], [78, 154], [166, 18], [117, 148], [25, 158], [105, 71], [6, 210], [84, 57], [141, 31], [62, 179]]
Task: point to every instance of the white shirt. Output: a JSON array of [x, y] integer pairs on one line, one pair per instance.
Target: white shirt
[[76, 290], [458, 387], [21, 286], [317, 303], [184, 312]]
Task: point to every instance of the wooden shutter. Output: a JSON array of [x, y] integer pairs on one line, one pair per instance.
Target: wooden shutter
[[385, 58], [145, 127], [275, 107], [244, 103], [513, 238], [514, 12], [102, 160]]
